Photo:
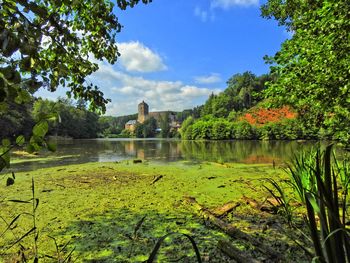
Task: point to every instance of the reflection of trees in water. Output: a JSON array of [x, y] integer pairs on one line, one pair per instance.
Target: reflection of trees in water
[[240, 151], [169, 150]]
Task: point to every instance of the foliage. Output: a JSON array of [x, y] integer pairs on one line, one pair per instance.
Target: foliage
[[75, 121], [243, 91], [281, 197], [36, 141], [261, 116], [185, 125], [165, 127], [243, 130], [16, 120], [50, 44], [212, 128], [146, 129], [201, 129], [125, 134], [313, 66], [321, 183], [183, 115]]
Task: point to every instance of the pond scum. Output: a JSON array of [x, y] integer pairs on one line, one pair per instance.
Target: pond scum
[[117, 212]]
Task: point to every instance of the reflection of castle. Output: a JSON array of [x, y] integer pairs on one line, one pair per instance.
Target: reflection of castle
[[144, 114]]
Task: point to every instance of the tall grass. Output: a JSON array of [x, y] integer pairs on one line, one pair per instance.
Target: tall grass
[[322, 182]]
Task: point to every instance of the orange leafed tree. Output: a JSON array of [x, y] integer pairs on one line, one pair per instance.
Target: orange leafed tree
[[261, 116]]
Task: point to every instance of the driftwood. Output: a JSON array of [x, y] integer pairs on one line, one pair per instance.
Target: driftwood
[[156, 179], [235, 253], [225, 209], [231, 230], [270, 208]]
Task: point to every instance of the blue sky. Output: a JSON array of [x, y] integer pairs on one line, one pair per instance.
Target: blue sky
[[177, 52]]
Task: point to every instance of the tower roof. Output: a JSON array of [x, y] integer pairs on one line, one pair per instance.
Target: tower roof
[[143, 103]]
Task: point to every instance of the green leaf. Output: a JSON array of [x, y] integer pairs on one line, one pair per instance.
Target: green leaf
[[6, 142], [40, 129], [5, 161], [20, 140], [313, 203], [30, 148], [52, 147]]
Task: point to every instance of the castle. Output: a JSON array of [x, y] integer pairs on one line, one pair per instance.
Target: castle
[[144, 114]]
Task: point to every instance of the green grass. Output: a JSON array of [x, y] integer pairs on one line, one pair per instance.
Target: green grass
[[96, 207]]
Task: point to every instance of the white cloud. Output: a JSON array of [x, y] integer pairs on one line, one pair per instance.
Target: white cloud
[[203, 15], [139, 58], [212, 78], [126, 91], [227, 4]]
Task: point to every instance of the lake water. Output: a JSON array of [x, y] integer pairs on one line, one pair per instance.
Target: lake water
[[164, 150]]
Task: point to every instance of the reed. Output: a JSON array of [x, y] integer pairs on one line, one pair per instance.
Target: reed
[[321, 182]]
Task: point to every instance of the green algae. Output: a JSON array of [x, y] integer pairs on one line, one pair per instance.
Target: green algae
[[96, 207], [35, 158]]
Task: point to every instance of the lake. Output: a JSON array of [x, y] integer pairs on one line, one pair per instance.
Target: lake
[[163, 150]]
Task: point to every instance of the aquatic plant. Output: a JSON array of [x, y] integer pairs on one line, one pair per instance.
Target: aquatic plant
[[321, 183]]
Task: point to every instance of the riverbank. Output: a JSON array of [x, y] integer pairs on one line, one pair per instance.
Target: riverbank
[[115, 212]]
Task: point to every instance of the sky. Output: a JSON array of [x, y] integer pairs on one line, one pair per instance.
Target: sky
[[175, 53]]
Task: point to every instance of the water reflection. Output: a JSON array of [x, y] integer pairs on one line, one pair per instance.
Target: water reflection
[[109, 150]]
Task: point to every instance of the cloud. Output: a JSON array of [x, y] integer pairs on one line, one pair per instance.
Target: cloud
[[138, 58], [126, 91], [227, 4], [203, 15], [212, 78]]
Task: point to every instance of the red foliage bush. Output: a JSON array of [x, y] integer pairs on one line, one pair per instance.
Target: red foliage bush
[[261, 116]]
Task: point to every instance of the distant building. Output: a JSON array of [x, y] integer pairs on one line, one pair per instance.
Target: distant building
[[144, 114], [131, 125]]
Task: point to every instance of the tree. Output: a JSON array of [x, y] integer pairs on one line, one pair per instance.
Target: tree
[[74, 122], [146, 129], [185, 125], [313, 67], [47, 43], [17, 120], [243, 91], [164, 126]]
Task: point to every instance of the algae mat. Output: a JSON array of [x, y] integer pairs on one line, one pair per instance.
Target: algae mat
[[116, 212]]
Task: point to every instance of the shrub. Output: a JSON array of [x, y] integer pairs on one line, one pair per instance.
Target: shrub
[[243, 130]]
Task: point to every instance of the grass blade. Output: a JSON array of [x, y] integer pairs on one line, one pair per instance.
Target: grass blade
[[156, 248]]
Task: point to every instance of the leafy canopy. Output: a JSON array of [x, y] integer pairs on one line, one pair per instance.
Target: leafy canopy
[[313, 67], [49, 43]]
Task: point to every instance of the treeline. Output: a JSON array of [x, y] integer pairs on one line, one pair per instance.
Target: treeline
[[113, 126], [73, 119], [242, 111], [222, 129]]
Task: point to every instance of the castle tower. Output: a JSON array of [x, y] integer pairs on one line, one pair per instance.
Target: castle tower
[[143, 112]]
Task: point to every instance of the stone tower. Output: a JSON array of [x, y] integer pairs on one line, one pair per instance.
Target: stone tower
[[143, 112]]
